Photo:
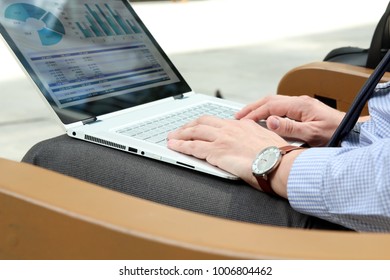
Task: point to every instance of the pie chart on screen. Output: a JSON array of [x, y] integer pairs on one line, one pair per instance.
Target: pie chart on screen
[[48, 27]]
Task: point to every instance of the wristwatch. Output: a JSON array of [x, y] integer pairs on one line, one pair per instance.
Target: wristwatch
[[266, 161]]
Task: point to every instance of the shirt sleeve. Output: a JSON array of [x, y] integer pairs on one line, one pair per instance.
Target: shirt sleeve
[[348, 185]]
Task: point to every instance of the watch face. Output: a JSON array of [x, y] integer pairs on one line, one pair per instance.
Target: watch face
[[266, 161]]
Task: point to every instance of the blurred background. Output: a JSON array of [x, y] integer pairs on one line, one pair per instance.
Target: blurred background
[[241, 48]]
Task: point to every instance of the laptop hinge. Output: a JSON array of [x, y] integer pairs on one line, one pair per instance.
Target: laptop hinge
[[89, 120], [179, 96]]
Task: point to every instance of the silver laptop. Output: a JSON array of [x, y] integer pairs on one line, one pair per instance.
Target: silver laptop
[[105, 76]]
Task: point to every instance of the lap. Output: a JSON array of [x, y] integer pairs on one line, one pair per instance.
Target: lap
[[166, 184]]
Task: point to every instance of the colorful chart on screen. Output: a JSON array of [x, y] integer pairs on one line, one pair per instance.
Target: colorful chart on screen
[[49, 28]]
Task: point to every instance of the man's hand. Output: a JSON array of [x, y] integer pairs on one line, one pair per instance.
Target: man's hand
[[308, 119], [231, 145]]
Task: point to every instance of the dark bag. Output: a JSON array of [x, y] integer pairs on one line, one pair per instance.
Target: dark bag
[[369, 58]]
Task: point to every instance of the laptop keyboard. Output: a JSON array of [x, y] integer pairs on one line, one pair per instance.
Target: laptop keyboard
[[156, 130]]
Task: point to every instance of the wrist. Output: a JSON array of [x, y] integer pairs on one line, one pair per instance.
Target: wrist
[[279, 178], [267, 164]]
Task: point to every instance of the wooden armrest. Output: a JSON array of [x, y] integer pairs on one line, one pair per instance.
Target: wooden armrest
[[46, 215], [334, 83]]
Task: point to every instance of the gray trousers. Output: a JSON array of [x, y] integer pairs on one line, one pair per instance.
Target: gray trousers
[[167, 184]]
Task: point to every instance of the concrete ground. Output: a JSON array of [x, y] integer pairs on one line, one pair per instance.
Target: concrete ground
[[241, 48]]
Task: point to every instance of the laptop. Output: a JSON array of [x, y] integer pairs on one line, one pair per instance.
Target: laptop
[[105, 76]]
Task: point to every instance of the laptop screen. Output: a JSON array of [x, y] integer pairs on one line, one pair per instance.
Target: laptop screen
[[88, 57]]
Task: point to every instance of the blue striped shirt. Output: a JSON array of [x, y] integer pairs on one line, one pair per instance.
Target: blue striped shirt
[[349, 185]]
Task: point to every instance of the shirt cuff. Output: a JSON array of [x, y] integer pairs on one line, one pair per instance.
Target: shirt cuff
[[305, 182]]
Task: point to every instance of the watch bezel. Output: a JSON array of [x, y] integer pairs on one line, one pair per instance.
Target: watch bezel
[[255, 165]]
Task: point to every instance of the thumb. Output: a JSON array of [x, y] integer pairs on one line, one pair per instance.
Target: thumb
[[285, 127]]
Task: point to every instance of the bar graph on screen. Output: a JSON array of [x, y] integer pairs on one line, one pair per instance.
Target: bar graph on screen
[[102, 20]]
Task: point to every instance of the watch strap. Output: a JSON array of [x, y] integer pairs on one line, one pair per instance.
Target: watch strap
[[263, 181], [286, 149], [265, 185]]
